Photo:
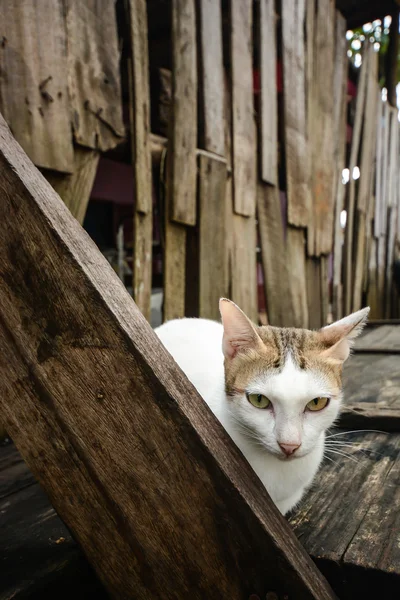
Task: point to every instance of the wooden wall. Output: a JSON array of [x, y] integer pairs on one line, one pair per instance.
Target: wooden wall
[[243, 139]]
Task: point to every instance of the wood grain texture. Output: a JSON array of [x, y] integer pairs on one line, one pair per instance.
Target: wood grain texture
[[174, 268], [277, 284], [212, 135], [75, 189], [313, 270], [243, 130], [268, 122], [244, 265], [213, 275], [340, 125], [296, 147], [183, 123], [139, 89], [323, 135], [363, 559], [351, 204], [94, 436], [93, 73], [296, 257], [34, 83]]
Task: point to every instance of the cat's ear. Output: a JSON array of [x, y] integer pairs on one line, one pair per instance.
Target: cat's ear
[[239, 331], [339, 337]]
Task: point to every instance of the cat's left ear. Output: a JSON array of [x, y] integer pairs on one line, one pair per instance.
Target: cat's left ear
[[239, 331], [339, 337]]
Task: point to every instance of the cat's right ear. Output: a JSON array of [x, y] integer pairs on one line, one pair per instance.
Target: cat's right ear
[[239, 331]]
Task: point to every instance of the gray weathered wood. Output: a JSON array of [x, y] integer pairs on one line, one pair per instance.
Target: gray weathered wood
[[213, 275], [182, 169], [296, 259], [277, 284], [323, 134], [75, 189], [212, 76], [129, 435], [243, 130], [34, 79], [268, 122], [93, 73], [296, 147]]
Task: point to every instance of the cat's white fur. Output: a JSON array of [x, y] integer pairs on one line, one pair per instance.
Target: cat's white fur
[[196, 345]]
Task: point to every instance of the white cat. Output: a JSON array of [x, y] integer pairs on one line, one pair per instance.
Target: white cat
[[275, 390]]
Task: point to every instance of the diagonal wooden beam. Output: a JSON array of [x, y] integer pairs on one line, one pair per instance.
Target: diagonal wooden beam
[[152, 488]]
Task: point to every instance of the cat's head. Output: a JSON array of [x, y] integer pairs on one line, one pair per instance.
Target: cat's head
[[284, 386]]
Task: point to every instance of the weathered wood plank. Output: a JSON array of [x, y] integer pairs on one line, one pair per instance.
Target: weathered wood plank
[[373, 379], [364, 416], [139, 89], [268, 122], [212, 137], [244, 265], [243, 130], [296, 147], [323, 141], [273, 252], [91, 327], [313, 270], [296, 259], [340, 120], [75, 189], [182, 169], [93, 74], [355, 145], [213, 275], [33, 82], [340, 530]]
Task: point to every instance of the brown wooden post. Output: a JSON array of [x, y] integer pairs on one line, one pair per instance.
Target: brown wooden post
[[152, 488]]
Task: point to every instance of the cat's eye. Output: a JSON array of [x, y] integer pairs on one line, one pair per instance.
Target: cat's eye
[[317, 404], [258, 400]]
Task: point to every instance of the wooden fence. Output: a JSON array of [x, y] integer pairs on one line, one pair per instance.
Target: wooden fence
[[255, 113]]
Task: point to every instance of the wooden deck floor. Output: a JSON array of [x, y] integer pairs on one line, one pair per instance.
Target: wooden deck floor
[[349, 522]]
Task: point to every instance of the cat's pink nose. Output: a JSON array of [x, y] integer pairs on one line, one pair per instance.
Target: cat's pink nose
[[289, 449]]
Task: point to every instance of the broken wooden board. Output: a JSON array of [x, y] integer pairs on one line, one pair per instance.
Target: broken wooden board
[[296, 146], [90, 326], [33, 84], [268, 121], [277, 283], [320, 239], [212, 135], [243, 130], [75, 189], [296, 257], [213, 275], [353, 535], [182, 169], [93, 74]]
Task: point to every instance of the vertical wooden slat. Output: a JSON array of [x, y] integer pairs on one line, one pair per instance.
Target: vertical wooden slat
[[141, 156], [268, 123], [75, 189], [174, 267], [313, 269], [324, 290], [182, 169], [296, 258], [213, 276], [212, 136], [340, 119], [243, 130], [323, 140], [296, 148], [364, 188], [355, 145], [273, 253]]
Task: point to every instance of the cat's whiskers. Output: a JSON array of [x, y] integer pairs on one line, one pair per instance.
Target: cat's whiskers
[[340, 453], [332, 435]]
